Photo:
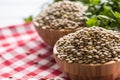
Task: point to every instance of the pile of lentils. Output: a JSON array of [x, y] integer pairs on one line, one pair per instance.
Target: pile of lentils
[[62, 15], [93, 45]]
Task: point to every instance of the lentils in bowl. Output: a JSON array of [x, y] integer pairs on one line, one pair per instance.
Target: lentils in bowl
[[89, 45], [89, 54], [60, 18]]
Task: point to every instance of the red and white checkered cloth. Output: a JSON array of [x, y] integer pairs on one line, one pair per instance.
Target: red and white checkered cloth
[[16, 64]]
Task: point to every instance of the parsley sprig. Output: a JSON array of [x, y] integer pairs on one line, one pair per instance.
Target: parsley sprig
[[104, 14]]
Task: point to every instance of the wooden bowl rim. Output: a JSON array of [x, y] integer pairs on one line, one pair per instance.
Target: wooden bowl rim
[[63, 61]]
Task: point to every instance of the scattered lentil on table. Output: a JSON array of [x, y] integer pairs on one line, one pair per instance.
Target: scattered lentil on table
[[62, 15], [89, 46], [27, 53], [54, 78], [36, 62]]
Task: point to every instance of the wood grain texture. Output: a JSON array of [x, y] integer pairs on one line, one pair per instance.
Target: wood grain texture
[[77, 71], [51, 36]]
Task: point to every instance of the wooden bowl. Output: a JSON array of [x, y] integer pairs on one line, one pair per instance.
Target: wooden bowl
[[77, 71], [50, 36]]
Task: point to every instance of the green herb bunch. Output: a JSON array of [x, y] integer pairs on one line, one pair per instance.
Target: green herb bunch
[[103, 13]]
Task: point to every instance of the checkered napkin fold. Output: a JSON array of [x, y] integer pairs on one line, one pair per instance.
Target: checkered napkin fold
[[24, 56]]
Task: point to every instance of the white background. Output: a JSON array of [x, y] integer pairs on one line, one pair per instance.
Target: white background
[[14, 11]]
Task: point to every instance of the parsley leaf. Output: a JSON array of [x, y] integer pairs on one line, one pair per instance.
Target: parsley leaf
[[28, 19]]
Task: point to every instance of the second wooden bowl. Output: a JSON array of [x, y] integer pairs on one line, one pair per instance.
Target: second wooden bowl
[[77, 71], [50, 36]]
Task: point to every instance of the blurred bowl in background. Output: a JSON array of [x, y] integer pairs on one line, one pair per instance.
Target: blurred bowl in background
[[50, 36]]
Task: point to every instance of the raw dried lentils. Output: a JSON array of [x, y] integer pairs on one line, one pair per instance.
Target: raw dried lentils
[[62, 15], [89, 46]]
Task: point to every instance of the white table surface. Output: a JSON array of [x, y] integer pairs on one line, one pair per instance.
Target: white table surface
[[14, 11]]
